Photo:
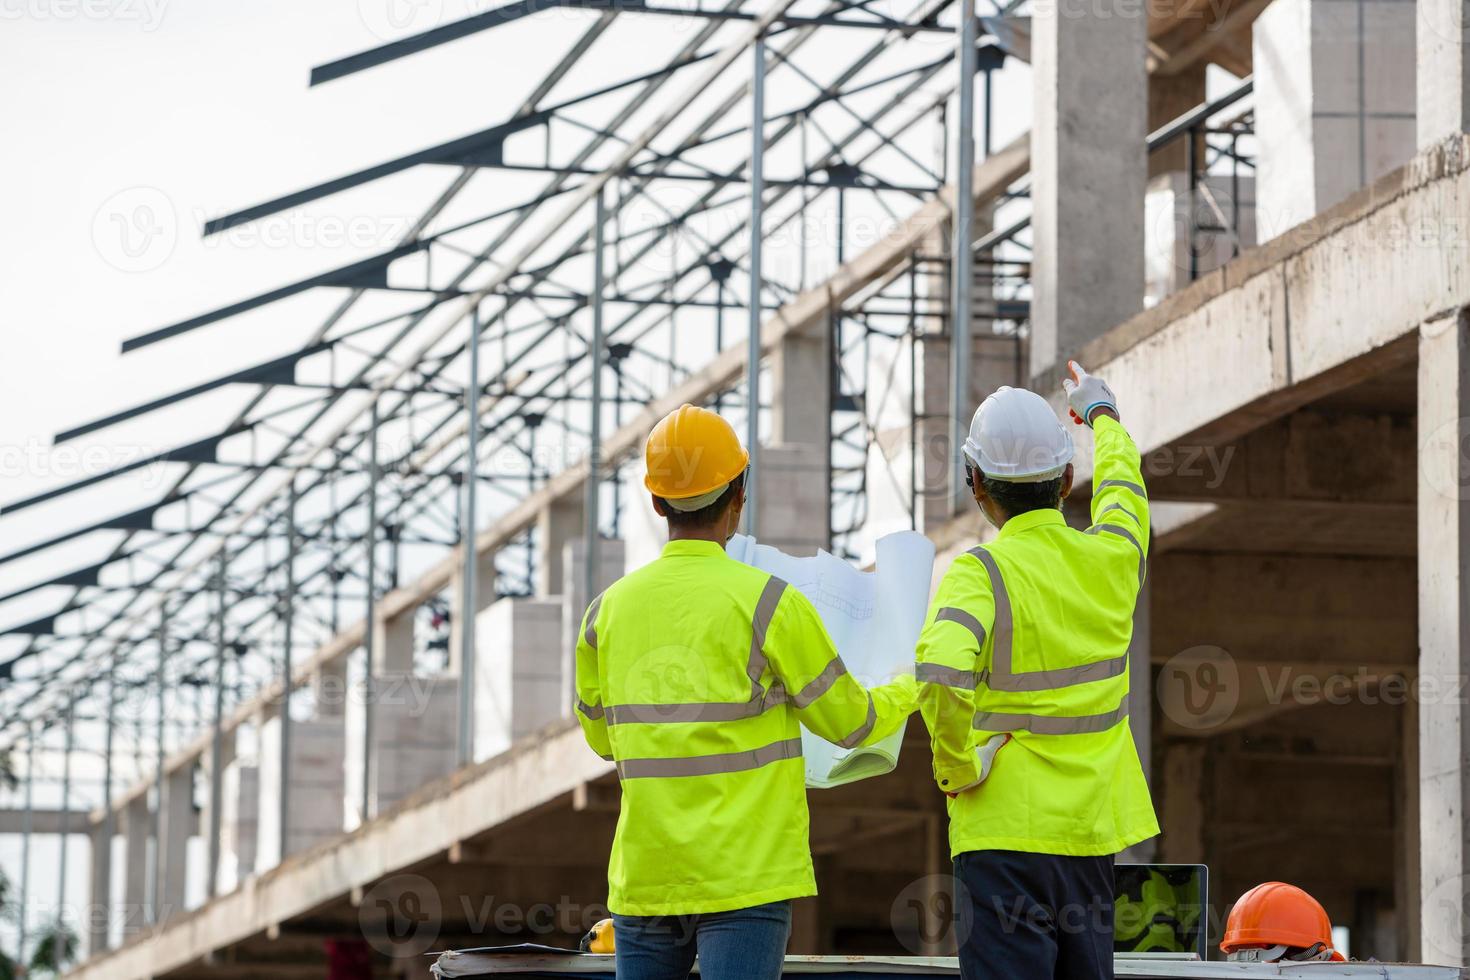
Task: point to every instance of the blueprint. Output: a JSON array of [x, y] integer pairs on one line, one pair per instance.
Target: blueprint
[[874, 619]]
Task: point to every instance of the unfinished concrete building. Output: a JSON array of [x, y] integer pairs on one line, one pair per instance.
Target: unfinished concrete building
[[373, 661]]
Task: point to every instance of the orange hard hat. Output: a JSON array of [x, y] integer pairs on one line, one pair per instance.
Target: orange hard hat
[[1278, 914], [691, 453]]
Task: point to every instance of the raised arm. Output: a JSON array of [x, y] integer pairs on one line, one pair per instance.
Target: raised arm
[[1119, 498]]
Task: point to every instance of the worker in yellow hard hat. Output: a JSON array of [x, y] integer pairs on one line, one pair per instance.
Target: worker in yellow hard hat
[[1023, 682], [692, 675]]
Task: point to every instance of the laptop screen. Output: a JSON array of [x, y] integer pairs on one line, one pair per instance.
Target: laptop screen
[[1161, 908]]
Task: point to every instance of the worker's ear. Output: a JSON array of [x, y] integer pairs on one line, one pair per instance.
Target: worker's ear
[[1067, 475], [659, 507]]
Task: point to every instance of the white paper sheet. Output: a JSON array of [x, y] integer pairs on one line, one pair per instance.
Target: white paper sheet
[[874, 619]]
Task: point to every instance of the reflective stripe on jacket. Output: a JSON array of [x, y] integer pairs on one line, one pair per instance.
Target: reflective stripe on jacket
[[692, 673], [1023, 675]]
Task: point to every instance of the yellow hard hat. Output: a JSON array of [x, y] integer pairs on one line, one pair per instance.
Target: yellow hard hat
[[692, 454]]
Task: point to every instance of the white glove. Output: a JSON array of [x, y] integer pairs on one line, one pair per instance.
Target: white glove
[[1086, 394]]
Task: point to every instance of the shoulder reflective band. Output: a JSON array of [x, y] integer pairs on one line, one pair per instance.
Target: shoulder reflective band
[[1123, 532], [1125, 484], [760, 622], [591, 712], [590, 634], [998, 721], [855, 739], [760, 700], [953, 614], [1001, 676], [709, 765], [965, 680]]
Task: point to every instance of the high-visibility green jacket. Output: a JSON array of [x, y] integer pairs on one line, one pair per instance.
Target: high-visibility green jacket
[[691, 674], [1023, 675]]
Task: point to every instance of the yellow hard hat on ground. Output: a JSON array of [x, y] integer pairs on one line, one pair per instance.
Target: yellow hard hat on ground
[[692, 455]]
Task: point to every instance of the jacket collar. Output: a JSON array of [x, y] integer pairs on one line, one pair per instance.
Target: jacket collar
[[1046, 517], [691, 548]]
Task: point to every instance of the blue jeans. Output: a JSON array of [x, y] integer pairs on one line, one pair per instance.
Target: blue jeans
[[742, 944]]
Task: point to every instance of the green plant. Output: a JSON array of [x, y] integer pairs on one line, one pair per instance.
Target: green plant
[[56, 946]]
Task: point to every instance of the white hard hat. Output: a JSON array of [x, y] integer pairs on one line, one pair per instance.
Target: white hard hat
[[1015, 436]]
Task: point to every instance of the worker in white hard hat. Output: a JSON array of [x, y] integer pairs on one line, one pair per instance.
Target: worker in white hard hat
[[1023, 683]]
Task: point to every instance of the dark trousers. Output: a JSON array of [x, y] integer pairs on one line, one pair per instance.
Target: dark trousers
[[1034, 916]]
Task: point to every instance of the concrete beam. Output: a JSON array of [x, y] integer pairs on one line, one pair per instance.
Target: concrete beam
[[45, 821], [1309, 456], [1444, 636]]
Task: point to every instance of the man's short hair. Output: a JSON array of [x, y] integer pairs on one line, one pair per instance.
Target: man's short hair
[[1018, 498], [707, 514]]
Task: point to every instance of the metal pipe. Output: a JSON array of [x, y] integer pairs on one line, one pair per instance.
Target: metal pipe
[[288, 622], [465, 745], [217, 737], [369, 634], [22, 911], [155, 877], [106, 831], [963, 258], [753, 342], [58, 946], [594, 453]]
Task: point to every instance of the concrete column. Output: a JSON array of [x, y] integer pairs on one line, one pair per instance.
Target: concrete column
[[329, 689], [484, 596], [207, 824], [393, 643], [1335, 102], [1169, 97], [793, 497], [1444, 637], [317, 788], [176, 806], [1183, 809], [801, 381], [137, 824], [99, 915], [1443, 88], [414, 740], [519, 681], [1088, 171], [240, 823], [559, 523]]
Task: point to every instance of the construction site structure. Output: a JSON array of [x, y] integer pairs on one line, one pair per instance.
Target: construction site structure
[[313, 700]]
